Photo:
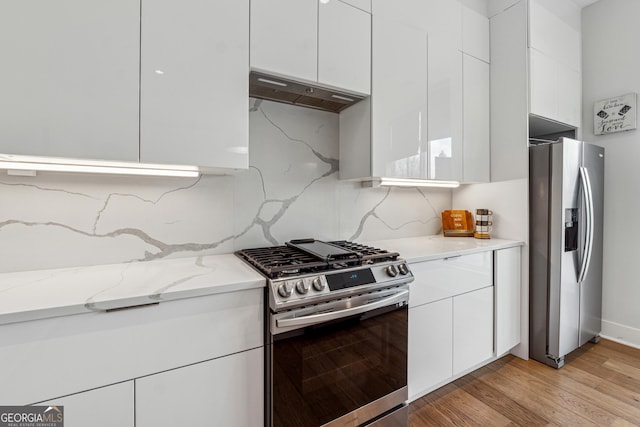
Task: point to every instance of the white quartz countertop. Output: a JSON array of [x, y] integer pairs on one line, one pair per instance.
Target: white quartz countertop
[[426, 248], [41, 294]]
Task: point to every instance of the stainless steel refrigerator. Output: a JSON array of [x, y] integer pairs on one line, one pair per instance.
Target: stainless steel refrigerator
[[566, 194]]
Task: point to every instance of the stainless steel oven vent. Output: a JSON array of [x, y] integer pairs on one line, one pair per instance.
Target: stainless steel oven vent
[[263, 86]]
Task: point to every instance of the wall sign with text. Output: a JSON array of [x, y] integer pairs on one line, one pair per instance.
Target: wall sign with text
[[614, 114]]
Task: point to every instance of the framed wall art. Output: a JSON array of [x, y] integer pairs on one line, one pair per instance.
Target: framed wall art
[[615, 114]]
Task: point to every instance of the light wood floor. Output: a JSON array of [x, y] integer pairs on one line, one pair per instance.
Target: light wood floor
[[598, 386]]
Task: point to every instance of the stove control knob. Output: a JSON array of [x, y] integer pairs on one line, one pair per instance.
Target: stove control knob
[[302, 287], [285, 290], [318, 284], [392, 270], [404, 270]]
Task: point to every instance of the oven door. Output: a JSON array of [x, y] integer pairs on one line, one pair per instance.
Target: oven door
[[347, 369]]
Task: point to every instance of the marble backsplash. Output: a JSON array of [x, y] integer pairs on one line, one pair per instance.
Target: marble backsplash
[[291, 190]]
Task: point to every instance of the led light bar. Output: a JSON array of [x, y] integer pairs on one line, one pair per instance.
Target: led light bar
[[405, 182], [33, 163]]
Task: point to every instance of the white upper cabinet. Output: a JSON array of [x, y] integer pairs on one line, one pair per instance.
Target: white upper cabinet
[[284, 37], [194, 82], [344, 47], [422, 117], [476, 120], [543, 84], [569, 96], [69, 78], [445, 110], [445, 90], [555, 83], [555, 30], [99, 80], [509, 94], [413, 13], [399, 100], [555, 90], [360, 4], [313, 41], [475, 34], [386, 135], [535, 69]]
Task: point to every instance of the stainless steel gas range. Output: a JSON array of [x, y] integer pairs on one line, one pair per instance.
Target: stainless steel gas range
[[336, 338]]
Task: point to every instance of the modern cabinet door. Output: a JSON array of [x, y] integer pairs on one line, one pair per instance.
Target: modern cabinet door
[[448, 277], [399, 100], [194, 82], [509, 94], [284, 37], [344, 47], [69, 78], [227, 391], [555, 61], [507, 288], [475, 34], [445, 102], [445, 113], [555, 89], [432, 15], [543, 85], [102, 407], [476, 120], [554, 29], [569, 96], [472, 329], [360, 4], [430, 345]]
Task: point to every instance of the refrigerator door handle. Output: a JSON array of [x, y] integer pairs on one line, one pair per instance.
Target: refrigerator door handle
[[588, 241]]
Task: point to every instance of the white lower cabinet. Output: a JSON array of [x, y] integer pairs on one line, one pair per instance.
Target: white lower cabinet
[[508, 294], [102, 407], [430, 345], [226, 392], [461, 309], [472, 329], [448, 337], [195, 361]]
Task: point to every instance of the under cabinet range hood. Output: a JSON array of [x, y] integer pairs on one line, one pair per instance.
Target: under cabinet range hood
[[264, 86]]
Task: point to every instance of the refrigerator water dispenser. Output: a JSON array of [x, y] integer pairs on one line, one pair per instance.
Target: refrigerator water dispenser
[[570, 230]]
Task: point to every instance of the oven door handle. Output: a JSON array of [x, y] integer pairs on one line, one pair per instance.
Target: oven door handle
[[314, 319]]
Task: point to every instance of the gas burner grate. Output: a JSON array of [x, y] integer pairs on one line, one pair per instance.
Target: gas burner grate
[[276, 261], [369, 253], [279, 261]]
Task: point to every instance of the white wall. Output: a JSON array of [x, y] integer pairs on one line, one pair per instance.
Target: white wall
[[291, 190], [611, 67]]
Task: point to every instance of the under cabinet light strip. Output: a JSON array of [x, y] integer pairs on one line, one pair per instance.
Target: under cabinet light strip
[[400, 182], [342, 98], [114, 170], [272, 82]]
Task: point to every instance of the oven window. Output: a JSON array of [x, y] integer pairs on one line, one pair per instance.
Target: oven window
[[324, 372]]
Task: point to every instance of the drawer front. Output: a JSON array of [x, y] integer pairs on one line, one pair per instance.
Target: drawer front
[[224, 392], [85, 409], [444, 278], [47, 358]]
